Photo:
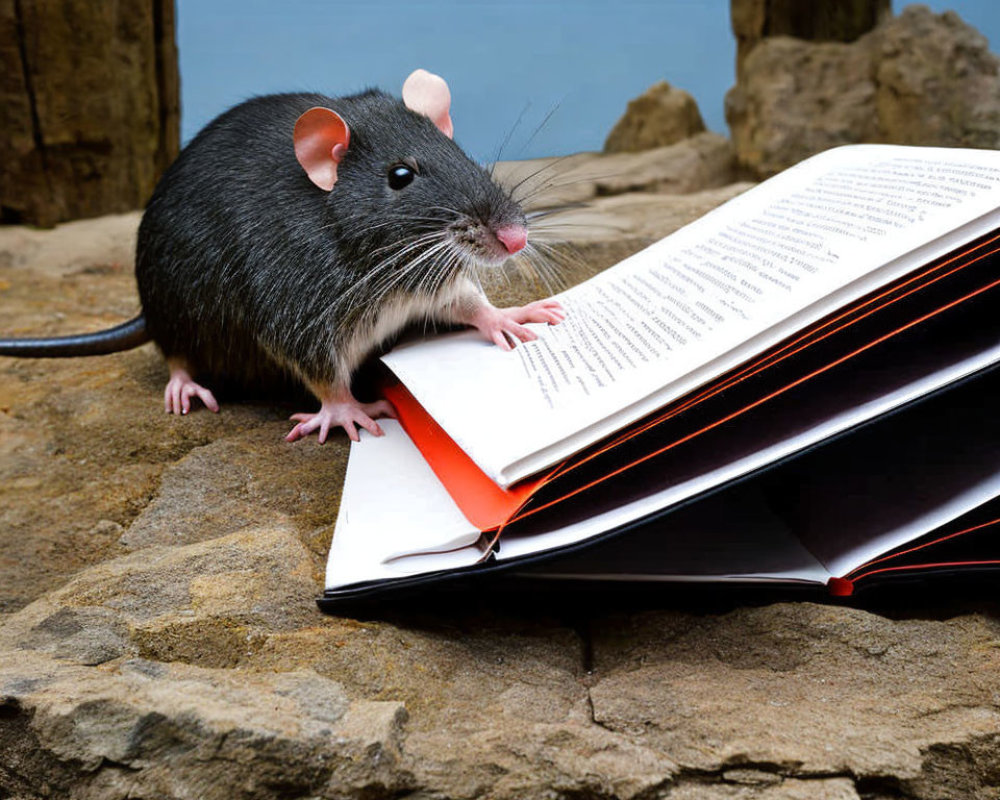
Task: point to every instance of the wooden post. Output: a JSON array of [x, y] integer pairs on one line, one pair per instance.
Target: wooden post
[[89, 106]]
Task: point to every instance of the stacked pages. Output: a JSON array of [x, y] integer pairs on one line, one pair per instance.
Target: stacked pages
[[795, 388]]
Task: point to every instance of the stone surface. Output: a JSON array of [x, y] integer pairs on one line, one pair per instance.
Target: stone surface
[[817, 21], [703, 161], [919, 78], [660, 116], [90, 111], [938, 83], [159, 636]]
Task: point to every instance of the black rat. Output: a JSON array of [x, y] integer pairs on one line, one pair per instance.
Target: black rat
[[297, 232]]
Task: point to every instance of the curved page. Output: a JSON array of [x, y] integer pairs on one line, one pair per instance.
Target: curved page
[[703, 300]]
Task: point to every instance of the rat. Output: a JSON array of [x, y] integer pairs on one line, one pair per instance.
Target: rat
[[296, 233]]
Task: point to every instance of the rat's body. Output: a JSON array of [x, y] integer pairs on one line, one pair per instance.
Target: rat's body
[[254, 268]]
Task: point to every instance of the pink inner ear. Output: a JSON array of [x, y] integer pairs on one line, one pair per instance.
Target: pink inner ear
[[428, 94], [321, 138]]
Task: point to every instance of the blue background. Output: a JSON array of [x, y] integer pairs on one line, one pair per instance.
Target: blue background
[[509, 65]]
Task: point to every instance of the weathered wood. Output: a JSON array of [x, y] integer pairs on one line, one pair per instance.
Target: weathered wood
[[89, 106], [817, 21]]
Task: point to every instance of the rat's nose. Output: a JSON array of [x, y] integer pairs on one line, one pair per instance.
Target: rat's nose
[[513, 237]]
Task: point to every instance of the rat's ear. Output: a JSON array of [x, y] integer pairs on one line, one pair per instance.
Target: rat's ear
[[428, 94], [321, 137]]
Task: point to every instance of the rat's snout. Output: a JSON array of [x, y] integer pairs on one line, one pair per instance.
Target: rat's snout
[[488, 243], [512, 237]]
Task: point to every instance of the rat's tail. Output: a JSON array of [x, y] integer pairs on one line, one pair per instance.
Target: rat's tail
[[122, 337]]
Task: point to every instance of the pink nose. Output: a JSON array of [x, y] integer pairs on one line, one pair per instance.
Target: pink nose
[[513, 237]]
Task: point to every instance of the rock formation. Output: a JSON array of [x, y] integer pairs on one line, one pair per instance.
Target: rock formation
[[919, 78], [90, 106], [662, 115]]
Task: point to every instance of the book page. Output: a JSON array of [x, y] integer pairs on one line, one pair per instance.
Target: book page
[[734, 535], [887, 485], [395, 516], [702, 300], [779, 447], [931, 517]]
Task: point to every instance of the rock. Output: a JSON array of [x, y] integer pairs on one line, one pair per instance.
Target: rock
[[92, 107], [822, 21], [792, 789], [798, 99], [159, 636], [660, 116], [801, 678], [938, 83], [642, 217], [703, 161], [919, 78], [149, 729]]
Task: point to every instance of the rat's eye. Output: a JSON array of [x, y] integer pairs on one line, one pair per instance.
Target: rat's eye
[[400, 176]]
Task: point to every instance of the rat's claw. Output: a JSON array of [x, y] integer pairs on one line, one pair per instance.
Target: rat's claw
[[516, 331], [549, 311], [503, 326], [179, 391], [346, 414], [500, 340]]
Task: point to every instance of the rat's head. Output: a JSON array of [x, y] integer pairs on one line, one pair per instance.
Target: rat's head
[[406, 205]]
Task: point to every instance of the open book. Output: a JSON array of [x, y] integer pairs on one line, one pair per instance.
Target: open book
[[798, 387]]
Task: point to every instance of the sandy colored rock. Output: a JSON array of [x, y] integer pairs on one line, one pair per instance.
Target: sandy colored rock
[[798, 99], [778, 685], [638, 216], [792, 789], [920, 78], [938, 83], [662, 115]]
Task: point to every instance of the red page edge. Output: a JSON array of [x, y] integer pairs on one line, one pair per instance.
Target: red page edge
[[485, 504]]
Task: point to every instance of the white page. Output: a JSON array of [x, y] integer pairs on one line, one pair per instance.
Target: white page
[[578, 531], [703, 300], [734, 535], [393, 505], [973, 497]]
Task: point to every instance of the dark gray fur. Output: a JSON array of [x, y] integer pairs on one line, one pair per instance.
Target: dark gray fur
[[253, 274], [244, 265]]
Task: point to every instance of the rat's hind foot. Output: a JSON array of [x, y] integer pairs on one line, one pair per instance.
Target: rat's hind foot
[[181, 388], [505, 326], [344, 412]]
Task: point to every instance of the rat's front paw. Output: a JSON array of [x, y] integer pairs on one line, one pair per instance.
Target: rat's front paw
[[505, 326], [346, 414]]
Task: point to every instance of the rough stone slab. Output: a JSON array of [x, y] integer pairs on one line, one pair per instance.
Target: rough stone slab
[[817, 21], [802, 689], [790, 789], [144, 728]]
